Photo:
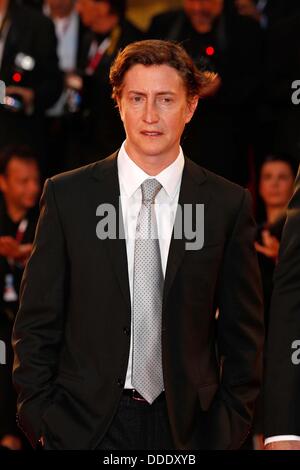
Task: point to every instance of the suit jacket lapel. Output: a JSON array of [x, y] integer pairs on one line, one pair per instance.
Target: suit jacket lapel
[[105, 189], [193, 191]]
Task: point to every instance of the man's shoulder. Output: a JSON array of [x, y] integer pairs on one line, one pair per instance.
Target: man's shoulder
[[163, 22], [36, 17], [222, 195], [217, 184], [74, 183], [167, 15], [82, 174]]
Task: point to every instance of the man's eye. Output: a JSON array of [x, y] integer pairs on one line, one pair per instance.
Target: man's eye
[[137, 99], [166, 100]]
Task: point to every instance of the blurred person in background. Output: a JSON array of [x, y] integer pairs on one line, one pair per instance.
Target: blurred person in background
[[220, 41], [275, 187], [276, 184], [61, 118], [266, 12], [29, 68], [20, 188], [100, 129]]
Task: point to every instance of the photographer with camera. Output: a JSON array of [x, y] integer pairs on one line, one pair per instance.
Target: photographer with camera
[[62, 117], [29, 68], [99, 127]]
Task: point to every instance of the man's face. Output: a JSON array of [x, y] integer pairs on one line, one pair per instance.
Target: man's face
[[202, 13], [60, 8], [154, 109], [21, 183], [97, 15]]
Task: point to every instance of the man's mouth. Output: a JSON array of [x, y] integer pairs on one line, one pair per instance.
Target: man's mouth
[[151, 133]]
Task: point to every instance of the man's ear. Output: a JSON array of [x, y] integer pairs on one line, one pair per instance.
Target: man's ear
[[120, 107], [192, 105]]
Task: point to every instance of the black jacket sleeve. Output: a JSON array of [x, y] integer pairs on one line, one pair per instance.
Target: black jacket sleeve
[[282, 376], [38, 328], [240, 325]]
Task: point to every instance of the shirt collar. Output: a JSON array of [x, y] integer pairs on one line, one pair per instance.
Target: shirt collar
[[131, 176]]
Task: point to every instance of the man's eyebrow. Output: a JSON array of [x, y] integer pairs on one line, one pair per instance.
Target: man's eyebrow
[[136, 92]]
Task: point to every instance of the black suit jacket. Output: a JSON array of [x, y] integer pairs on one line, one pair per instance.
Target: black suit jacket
[[282, 376], [71, 335]]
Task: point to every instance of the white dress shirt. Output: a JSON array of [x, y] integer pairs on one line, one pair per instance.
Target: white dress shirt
[[131, 177], [67, 33], [285, 437]]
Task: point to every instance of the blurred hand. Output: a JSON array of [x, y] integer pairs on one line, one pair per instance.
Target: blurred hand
[[11, 442], [27, 94], [283, 445], [247, 8], [10, 248], [270, 246], [24, 253], [258, 442]]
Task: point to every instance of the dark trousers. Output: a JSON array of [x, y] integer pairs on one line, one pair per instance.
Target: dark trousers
[[139, 426]]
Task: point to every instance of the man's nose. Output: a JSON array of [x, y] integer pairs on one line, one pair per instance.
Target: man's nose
[[150, 113]]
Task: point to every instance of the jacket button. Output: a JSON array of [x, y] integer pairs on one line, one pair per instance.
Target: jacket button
[[121, 383], [126, 331]]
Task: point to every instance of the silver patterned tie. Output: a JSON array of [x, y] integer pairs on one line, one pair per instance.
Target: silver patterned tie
[[147, 375]]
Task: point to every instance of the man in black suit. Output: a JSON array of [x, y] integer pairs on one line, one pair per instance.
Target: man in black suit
[[282, 423], [116, 341], [267, 12], [29, 68]]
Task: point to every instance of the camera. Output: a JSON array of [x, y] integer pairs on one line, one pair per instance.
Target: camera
[[74, 89], [13, 103], [23, 65]]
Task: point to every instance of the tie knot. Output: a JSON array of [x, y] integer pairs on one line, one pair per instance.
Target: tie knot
[[150, 188]]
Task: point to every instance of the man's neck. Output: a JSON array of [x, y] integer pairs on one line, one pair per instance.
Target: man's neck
[[151, 165], [14, 212]]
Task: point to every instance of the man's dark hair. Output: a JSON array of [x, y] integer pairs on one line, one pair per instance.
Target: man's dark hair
[[157, 52], [22, 152], [117, 6]]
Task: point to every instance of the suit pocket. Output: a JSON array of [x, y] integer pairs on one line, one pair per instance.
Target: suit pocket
[[206, 394]]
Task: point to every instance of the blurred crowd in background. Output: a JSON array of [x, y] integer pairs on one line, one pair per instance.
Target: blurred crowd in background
[[58, 114]]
